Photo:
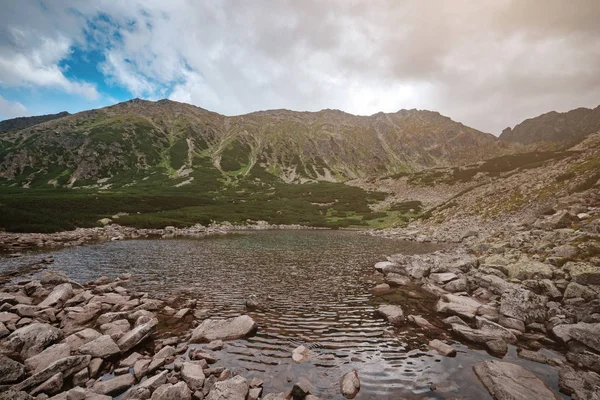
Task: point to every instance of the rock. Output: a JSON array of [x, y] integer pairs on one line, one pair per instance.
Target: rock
[[10, 370], [381, 288], [102, 347], [12, 394], [497, 347], [254, 393], [529, 269], [130, 360], [104, 221], [3, 330], [350, 384], [301, 389], [465, 307], [215, 345], [509, 381], [223, 329], [562, 219], [579, 384], [385, 266], [136, 335], [81, 377], [140, 368], [154, 382], [165, 352], [54, 278], [76, 340], [51, 386], [393, 279], [588, 334], [252, 302], [109, 317], [168, 391], [42, 360], [67, 365], [392, 313], [31, 339], [457, 285], [116, 329], [300, 355], [235, 388], [114, 386], [443, 278], [512, 323], [583, 273], [95, 367], [532, 356], [193, 375], [421, 322], [565, 251], [524, 305], [442, 348], [575, 290], [256, 382], [585, 359], [58, 296]]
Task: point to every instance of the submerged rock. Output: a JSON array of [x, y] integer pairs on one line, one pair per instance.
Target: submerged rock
[[442, 348], [350, 384], [223, 329], [301, 354], [509, 381], [392, 313]]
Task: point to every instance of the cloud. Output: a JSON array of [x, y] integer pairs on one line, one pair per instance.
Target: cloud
[[9, 109], [488, 64]]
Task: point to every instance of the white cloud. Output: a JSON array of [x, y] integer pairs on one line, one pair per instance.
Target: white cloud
[[11, 109]]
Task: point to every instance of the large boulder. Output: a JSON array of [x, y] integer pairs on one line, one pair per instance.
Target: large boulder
[[193, 375], [30, 340], [10, 370], [580, 385], [58, 296], [223, 329], [235, 388], [393, 314], [102, 347], [136, 335], [524, 305], [509, 381], [168, 391], [40, 361], [68, 366], [114, 386], [583, 273]]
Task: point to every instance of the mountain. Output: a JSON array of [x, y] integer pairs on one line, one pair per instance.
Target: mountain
[[553, 127], [177, 139], [16, 124]]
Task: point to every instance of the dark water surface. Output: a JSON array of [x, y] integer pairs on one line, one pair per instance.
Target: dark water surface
[[316, 290]]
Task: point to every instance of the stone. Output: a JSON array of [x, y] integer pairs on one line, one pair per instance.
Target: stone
[[576, 290], [585, 359], [58, 296], [497, 347], [464, 307], [350, 384], [31, 340], [102, 347], [178, 391], [381, 288], [3, 330], [12, 394], [512, 323], [140, 368], [392, 313], [509, 381], [50, 386], [385, 266], [301, 354], [457, 285], [95, 367], [421, 322], [580, 385], [301, 389], [442, 348], [524, 305], [116, 329], [532, 355], [443, 277], [78, 339], [154, 382], [42, 360], [193, 375], [136, 335], [130, 360], [561, 219], [81, 377], [588, 334], [215, 345], [167, 351], [67, 365], [114, 386], [109, 317], [10, 370], [54, 278], [529, 269], [583, 273], [223, 329], [235, 388], [393, 279], [198, 354], [254, 394]]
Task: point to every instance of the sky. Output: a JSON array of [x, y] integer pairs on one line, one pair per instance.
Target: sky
[[489, 64]]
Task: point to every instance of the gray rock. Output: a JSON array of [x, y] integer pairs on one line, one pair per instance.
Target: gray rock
[[140, 368], [529, 269], [583, 273], [465, 307], [81, 377], [235, 388], [510, 381], [385, 266], [223, 329], [3, 330], [580, 385], [393, 279], [10, 370], [76, 340], [301, 389], [524, 305], [585, 359], [102, 347], [442, 348], [51, 386], [168, 391], [421, 322], [193, 375], [392, 313], [457, 285], [588, 334], [12, 394], [443, 277], [532, 356], [215, 345], [575, 290], [42, 360], [136, 335], [301, 354], [381, 288], [114, 386], [350, 384], [68, 366], [31, 340], [58, 296], [116, 329], [511, 323], [497, 347]]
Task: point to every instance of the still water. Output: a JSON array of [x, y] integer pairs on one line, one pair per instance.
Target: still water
[[315, 288]]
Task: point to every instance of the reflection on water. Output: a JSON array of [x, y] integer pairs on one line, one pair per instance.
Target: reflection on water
[[315, 289]]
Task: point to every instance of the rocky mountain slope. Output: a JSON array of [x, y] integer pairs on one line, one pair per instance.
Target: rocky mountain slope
[[16, 124], [553, 127], [179, 139]]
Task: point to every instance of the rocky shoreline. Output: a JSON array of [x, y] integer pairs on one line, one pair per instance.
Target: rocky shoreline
[[15, 243], [100, 339]]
